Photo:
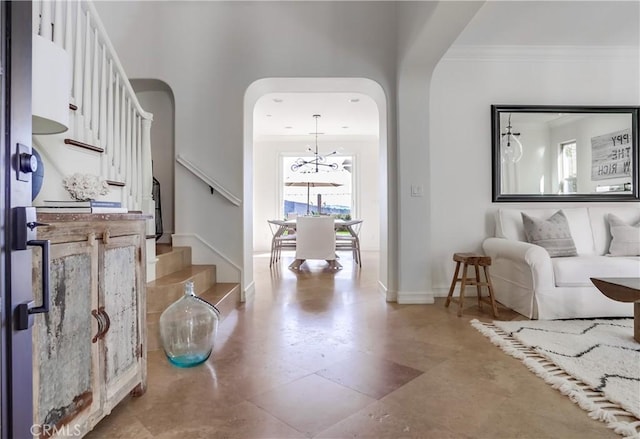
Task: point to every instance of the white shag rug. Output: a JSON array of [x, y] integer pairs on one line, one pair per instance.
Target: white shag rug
[[596, 362]]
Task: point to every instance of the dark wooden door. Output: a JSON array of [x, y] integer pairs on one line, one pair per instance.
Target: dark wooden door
[[15, 192]]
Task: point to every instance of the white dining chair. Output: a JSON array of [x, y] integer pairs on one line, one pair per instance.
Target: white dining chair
[[350, 241], [315, 238], [283, 239]]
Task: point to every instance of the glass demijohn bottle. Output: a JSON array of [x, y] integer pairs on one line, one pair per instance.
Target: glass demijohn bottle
[[188, 328]]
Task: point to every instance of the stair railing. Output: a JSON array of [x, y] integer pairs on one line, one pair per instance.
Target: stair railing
[[213, 184], [105, 112]]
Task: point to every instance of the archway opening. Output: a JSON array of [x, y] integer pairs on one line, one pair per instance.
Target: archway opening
[[255, 207]]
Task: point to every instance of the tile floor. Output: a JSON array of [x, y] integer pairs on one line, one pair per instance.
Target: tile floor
[[321, 354]]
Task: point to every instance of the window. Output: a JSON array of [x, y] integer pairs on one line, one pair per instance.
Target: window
[[333, 188], [568, 168]]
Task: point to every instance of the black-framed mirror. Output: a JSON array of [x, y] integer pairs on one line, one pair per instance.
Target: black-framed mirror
[[564, 153]]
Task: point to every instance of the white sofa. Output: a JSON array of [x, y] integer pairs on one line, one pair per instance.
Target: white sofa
[[537, 286]]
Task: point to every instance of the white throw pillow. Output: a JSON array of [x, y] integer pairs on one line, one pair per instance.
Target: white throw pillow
[[625, 238], [552, 234]]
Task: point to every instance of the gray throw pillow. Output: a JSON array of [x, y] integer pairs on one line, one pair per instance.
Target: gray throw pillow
[[625, 238], [552, 234]]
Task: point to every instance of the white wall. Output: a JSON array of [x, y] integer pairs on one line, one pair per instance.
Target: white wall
[[463, 87], [209, 53], [267, 188]]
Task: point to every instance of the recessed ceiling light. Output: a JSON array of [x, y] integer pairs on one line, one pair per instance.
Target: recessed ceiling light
[[354, 100], [268, 115], [277, 100], [288, 127], [345, 127]]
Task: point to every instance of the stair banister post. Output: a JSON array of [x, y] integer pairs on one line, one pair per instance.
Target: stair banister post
[[148, 204]]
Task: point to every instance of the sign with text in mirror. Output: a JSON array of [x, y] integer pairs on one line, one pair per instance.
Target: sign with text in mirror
[[611, 155], [553, 153]]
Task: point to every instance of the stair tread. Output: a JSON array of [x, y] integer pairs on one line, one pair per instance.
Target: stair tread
[[180, 276], [218, 291], [225, 296], [215, 294]]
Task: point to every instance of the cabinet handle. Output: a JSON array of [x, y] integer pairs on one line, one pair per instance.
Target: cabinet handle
[[98, 317], [107, 321]]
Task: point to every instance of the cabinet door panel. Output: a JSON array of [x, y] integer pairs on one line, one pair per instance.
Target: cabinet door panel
[[64, 355], [119, 294]]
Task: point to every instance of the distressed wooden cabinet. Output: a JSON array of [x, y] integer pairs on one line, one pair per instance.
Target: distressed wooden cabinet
[[89, 350]]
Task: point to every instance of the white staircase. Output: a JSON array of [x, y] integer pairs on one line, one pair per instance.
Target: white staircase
[[109, 132]]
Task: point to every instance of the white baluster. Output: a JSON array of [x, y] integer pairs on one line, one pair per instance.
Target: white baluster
[[128, 152], [123, 128], [86, 92], [68, 46], [77, 69], [57, 23], [36, 8], [102, 131], [45, 21], [68, 29], [95, 87], [117, 142], [110, 124]]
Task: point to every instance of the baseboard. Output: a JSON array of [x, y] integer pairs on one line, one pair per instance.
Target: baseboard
[[390, 296], [443, 291], [249, 292], [414, 298]]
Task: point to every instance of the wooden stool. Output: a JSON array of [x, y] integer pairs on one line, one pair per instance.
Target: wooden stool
[[477, 261]]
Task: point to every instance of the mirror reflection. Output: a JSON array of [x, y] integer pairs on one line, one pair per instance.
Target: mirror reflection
[[556, 152]]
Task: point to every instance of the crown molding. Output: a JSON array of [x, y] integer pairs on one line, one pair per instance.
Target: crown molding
[[542, 53]]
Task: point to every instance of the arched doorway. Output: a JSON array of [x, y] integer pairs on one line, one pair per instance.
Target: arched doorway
[[314, 85]]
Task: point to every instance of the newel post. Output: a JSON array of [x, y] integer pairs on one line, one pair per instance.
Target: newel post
[[148, 204]]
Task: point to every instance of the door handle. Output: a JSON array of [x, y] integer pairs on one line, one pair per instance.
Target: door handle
[[25, 310]]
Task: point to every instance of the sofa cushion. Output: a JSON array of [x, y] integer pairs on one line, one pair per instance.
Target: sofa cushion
[[625, 238], [577, 271], [552, 234], [509, 225], [630, 214]]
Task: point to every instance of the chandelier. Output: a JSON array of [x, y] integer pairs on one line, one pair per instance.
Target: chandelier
[[312, 165], [511, 146]]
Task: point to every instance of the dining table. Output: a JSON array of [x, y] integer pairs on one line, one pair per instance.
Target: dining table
[[316, 244]]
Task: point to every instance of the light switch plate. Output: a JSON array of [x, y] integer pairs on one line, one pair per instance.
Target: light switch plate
[[417, 190]]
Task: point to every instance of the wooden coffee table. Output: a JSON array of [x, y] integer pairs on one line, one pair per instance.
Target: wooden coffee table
[[623, 289]]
